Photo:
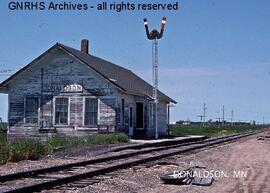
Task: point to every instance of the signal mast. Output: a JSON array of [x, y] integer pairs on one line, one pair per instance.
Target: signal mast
[[154, 35]]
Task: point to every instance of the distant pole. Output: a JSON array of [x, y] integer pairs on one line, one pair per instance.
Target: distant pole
[[223, 115], [154, 35], [263, 120], [204, 113], [232, 117], [201, 117], [219, 120]]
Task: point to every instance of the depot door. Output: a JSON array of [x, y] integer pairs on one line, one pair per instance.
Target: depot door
[[139, 115]]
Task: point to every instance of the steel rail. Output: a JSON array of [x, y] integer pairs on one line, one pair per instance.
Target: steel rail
[[161, 146], [127, 164]]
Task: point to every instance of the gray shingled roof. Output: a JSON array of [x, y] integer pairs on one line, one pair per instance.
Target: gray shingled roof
[[119, 76]]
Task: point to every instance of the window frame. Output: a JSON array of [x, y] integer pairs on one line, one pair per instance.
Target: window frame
[[98, 111], [54, 112], [24, 111]]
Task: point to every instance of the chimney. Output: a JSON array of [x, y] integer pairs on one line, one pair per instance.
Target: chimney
[[85, 46]]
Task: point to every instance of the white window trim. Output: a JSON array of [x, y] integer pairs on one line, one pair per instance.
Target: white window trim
[[122, 116], [98, 111], [61, 125], [151, 118], [168, 113], [133, 115], [24, 111]]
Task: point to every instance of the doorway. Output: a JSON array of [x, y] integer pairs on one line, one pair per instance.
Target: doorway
[[139, 115]]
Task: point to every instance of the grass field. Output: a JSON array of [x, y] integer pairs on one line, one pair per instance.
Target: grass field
[[32, 150], [182, 130], [3, 127]]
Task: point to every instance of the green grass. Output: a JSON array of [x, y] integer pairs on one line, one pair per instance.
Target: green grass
[[3, 126], [181, 130], [3, 138], [32, 150], [95, 139], [22, 150], [4, 148]]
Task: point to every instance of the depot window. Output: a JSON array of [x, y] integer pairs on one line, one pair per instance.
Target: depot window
[[61, 111], [31, 110], [91, 111]]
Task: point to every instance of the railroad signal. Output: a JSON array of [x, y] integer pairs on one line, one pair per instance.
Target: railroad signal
[[155, 35]]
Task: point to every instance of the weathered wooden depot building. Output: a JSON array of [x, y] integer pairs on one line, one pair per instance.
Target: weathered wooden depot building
[[68, 91]]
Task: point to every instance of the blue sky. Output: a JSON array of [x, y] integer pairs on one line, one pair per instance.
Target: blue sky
[[213, 51]]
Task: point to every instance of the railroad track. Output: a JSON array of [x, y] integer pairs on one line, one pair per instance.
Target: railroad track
[[82, 174]]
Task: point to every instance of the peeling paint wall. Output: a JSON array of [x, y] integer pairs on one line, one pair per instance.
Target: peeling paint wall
[[58, 74], [55, 75]]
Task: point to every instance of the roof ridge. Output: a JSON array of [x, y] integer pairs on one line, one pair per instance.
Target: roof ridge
[[109, 77]]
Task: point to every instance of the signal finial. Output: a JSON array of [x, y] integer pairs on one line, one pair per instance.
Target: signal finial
[[163, 23]]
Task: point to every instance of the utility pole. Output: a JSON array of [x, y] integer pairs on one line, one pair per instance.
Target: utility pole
[[219, 120], [154, 35], [223, 115], [201, 118], [232, 117], [204, 113]]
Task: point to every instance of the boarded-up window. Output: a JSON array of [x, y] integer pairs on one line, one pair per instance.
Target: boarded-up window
[[91, 111], [61, 111], [31, 110]]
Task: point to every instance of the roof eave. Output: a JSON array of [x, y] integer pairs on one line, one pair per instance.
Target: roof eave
[[3, 89], [173, 101], [151, 98]]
